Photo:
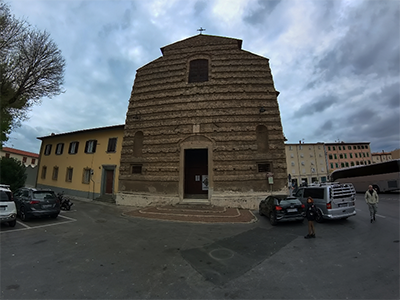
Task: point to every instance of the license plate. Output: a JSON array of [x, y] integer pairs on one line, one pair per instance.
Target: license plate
[[47, 206], [342, 204], [292, 210]]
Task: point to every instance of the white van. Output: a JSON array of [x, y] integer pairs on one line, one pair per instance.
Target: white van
[[8, 211], [333, 200]]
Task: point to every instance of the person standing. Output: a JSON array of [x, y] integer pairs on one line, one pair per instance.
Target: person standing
[[372, 199], [311, 214]]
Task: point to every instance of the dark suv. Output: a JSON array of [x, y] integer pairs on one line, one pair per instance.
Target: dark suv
[[36, 203]]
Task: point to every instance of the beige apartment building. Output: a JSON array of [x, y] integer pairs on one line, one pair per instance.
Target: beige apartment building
[[343, 155], [306, 163], [27, 158], [378, 157]]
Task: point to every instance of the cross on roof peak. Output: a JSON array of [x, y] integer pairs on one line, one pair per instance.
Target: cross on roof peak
[[201, 30]]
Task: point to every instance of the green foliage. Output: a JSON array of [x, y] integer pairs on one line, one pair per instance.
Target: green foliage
[[12, 172], [31, 68]]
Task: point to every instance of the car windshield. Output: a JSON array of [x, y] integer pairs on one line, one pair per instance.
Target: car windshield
[[43, 195]]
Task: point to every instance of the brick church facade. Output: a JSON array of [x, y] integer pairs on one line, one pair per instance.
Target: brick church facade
[[203, 124]]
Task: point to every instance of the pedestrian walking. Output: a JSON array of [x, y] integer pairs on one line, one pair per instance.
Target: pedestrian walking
[[311, 214], [372, 199]]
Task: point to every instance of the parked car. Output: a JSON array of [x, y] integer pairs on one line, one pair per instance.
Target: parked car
[[8, 211], [36, 203], [282, 208], [333, 200]]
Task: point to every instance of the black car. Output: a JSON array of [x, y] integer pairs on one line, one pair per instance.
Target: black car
[[280, 208], [36, 203]]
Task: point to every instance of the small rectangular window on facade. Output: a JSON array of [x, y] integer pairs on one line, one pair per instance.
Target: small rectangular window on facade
[[55, 173], [329, 148], [73, 147], [33, 161], [112, 145], [91, 146], [351, 155], [264, 167], [86, 176], [349, 147], [331, 165], [47, 149], [340, 148], [334, 148], [7, 155], [59, 148], [198, 70], [345, 155], [68, 176], [336, 165], [347, 164], [136, 169], [24, 159], [341, 155], [44, 170], [335, 156]]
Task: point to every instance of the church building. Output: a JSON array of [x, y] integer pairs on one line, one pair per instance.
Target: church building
[[203, 125]]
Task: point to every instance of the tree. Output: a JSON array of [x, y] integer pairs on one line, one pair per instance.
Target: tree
[[31, 68], [12, 172]]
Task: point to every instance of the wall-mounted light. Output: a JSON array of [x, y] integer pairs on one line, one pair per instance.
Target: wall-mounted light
[[262, 109]]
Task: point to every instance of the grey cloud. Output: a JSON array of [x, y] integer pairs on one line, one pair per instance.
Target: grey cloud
[[316, 106], [371, 44], [199, 7], [259, 16]]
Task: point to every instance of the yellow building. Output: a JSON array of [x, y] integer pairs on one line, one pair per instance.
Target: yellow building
[[82, 163]]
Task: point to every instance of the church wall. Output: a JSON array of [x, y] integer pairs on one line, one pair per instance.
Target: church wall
[[221, 114]]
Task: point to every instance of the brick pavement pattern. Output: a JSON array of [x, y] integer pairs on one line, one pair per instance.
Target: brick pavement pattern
[[195, 213]]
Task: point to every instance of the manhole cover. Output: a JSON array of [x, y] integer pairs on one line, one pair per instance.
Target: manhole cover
[[221, 254]]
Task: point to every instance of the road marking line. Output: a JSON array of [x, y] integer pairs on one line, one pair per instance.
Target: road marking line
[[40, 226]]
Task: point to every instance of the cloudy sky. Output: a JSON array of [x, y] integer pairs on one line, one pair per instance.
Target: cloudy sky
[[335, 62]]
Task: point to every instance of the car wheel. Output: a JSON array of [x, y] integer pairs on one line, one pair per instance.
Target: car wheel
[[12, 223], [22, 214], [53, 216], [319, 218], [272, 219]]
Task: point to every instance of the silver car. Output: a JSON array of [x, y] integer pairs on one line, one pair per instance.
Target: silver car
[[333, 200]]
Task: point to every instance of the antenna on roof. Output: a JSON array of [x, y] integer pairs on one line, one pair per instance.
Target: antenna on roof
[[201, 30]]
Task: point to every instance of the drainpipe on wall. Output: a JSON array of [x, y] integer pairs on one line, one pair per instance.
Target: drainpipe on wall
[[91, 178]]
